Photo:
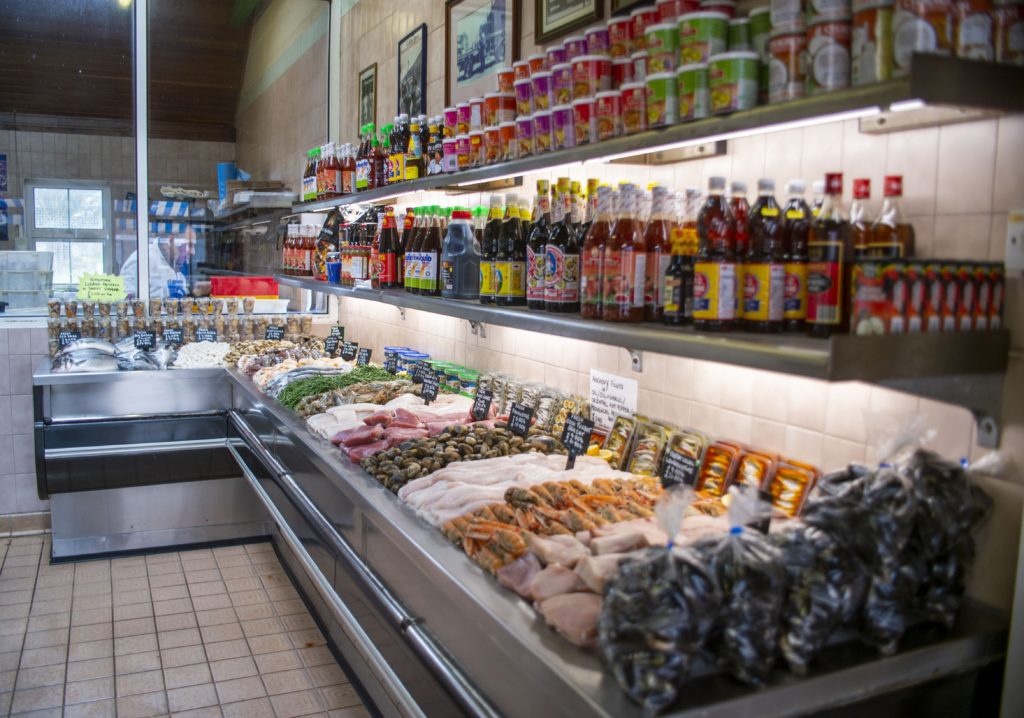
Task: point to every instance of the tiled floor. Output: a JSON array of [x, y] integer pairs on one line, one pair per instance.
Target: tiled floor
[[211, 632]]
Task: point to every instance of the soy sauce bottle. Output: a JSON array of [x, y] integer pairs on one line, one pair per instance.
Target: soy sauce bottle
[[829, 265], [764, 264], [562, 257], [535, 248], [510, 260], [796, 229], [714, 273], [489, 251]]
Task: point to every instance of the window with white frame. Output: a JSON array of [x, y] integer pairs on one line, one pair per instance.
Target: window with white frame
[[72, 220]]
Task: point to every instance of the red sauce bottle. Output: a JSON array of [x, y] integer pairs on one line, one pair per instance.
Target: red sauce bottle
[[714, 273], [592, 276], [625, 262], [658, 243]]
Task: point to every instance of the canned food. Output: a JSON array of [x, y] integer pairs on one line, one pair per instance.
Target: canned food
[[524, 96], [597, 40], [450, 154], [692, 83], [538, 62], [725, 6], [561, 83], [556, 55], [476, 113], [634, 107], [622, 71], [542, 135], [639, 60], [818, 10], [591, 74], [451, 121], [521, 70], [620, 37], [575, 46], [506, 107], [701, 35], [492, 145], [608, 106], [668, 10], [542, 90], [584, 120], [524, 135], [739, 35], [662, 99], [1008, 31], [462, 151], [476, 148], [760, 30], [507, 134], [642, 17], [662, 47], [563, 125], [506, 76], [787, 76], [973, 29], [787, 15], [463, 115], [871, 43], [490, 108], [828, 51], [732, 81], [920, 26]]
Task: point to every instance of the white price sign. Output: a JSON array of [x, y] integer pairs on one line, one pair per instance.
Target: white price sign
[[610, 395]]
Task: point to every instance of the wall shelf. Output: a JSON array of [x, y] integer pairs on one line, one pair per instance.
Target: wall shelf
[[934, 80]]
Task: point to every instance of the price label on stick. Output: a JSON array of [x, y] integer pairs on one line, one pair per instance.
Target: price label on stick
[[428, 391], [68, 336], [519, 418], [206, 335], [348, 350], [482, 404], [363, 356], [145, 339], [331, 346], [173, 336], [274, 333], [679, 469], [576, 437], [420, 372], [338, 331], [391, 364]]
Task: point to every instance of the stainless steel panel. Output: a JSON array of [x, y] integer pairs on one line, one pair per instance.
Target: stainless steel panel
[[129, 519]]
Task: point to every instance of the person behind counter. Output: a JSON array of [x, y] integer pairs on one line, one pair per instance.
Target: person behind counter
[[165, 276]]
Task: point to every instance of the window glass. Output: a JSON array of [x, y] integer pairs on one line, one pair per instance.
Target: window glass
[[85, 209], [51, 208]]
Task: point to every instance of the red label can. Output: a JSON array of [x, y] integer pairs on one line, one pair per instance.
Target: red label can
[[609, 114]]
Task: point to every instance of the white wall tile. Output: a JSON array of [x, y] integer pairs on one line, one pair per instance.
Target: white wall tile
[[915, 156], [1008, 190], [805, 403], [966, 167]]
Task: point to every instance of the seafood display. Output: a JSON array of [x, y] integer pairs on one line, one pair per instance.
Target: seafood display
[[96, 355], [320, 383], [369, 392], [202, 354]]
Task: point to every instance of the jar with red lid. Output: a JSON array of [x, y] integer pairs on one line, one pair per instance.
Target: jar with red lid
[[620, 36], [492, 145], [584, 120], [608, 106], [591, 74]]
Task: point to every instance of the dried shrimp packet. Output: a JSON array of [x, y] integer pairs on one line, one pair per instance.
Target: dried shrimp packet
[[649, 444]]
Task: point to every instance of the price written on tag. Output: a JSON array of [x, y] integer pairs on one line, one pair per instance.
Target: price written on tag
[[519, 418], [363, 356], [68, 336], [679, 469], [348, 350], [274, 333], [420, 372], [173, 336], [428, 392], [331, 345], [576, 437], [206, 335], [145, 339], [338, 331], [482, 404], [391, 364]]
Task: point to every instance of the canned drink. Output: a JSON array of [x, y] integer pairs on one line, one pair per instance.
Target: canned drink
[[620, 37], [662, 47], [787, 76], [634, 107], [542, 137], [509, 146], [584, 120], [662, 99], [739, 35], [506, 76], [608, 106], [563, 127], [701, 35], [692, 81], [542, 91], [733, 81], [642, 17], [575, 46], [920, 26], [828, 49], [871, 43], [524, 135], [561, 83], [598, 42], [591, 74], [524, 97]]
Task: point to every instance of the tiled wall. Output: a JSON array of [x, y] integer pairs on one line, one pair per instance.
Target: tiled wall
[[21, 350]]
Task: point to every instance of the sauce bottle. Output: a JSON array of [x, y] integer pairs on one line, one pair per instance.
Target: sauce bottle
[[829, 264], [893, 234], [714, 272], [740, 209], [430, 253], [562, 257], [818, 192], [525, 218], [594, 245], [414, 153], [308, 175], [796, 230], [320, 166], [489, 251], [860, 221], [625, 263], [376, 176], [679, 274], [399, 146], [385, 151], [590, 202], [658, 243], [403, 245], [412, 260], [387, 261], [764, 265], [510, 262], [536, 247], [460, 259], [347, 165]]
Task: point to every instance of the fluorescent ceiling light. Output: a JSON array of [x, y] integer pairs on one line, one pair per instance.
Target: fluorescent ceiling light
[[905, 105]]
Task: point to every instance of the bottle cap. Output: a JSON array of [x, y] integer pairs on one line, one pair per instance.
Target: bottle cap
[[497, 200], [765, 185], [893, 186], [861, 188], [818, 187], [796, 186], [834, 182], [738, 187], [716, 183], [460, 214]]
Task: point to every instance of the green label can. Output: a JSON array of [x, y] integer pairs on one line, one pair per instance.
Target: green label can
[[662, 47], [701, 35], [733, 81], [739, 34], [760, 29], [692, 81], [662, 99]]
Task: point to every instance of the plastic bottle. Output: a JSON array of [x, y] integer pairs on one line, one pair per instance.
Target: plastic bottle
[[625, 262], [412, 257], [893, 234], [679, 274], [594, 245], [430, 253], [403, 246], [658, 241], [562, 257], [829, 264], [536, 247], [414, 154], [860, 217], [714, 273], [309, 178], [489, 250], [510, 260], [818, 192], [387, 260], [460, 259], [796, 230], [764, 268], [376, 176], [740, 209]]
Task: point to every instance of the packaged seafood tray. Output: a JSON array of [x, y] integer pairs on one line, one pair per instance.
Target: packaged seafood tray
[[21, 261], [34, 280]]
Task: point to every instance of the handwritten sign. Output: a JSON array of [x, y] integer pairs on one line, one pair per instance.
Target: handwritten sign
[[678, 468], [338, 331], [519, 418], [610, 395], [363, 356], [391, 364], [428, 391], [331, 346], [576, 437], [419, 372], [482, 404], [173, 336], [68, 336], [348, 350], [206, 335], [101, 288], [144, 339], [274, 333]]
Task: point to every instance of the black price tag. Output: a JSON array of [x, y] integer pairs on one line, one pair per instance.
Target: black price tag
[[419, 372], [576, 437], [519, 418], [363, 356], [348, 350], [274, 333], [173, 336], [145, 339], [206, 335], [68, 336], [428, 392], [391, 364], [679, 469], [338, 332], [331, 346], [482, 404]]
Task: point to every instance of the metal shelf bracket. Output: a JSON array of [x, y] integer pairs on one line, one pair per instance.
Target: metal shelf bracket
[[477, 328], [401, 310], [636, 357]]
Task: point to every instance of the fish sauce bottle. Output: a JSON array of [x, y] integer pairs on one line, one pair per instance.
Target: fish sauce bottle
[[829, 264], [562, 256], [489, 251], [714, 273], [430, 253], [594, 244], [387, 255], [625, 262], [860, 218], [796, 230], [764, 267], [535, 248], [740, 209], [510, 262], [893, 234], [679, 274], [658, 241]]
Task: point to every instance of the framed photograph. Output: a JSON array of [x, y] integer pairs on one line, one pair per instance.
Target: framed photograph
[[368, 95], [480, 37], [621, 7], [554, 18], [412, 72]]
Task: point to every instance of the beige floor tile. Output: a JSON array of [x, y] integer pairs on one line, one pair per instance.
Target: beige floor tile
[[133, 627], [168, 592], [162, 557], [208, 588], [244, 598], [135, 684], [7, 680], [191, 697], [52, 593], [177, 639], [45, 639], [85, 603], [135, 570], [137, 662], [307, 639], [176, 621], [257, 708], [138, 583], [237, 550], [87, 691], [43, 608], [232, 561], [93, 632], [240, 689], [163, 580], [318, 656], [328, 674], [163, 568], [255, 612], [89, 616], [282, 593], [184, 656], [286, 682], [353, 712], [245, 583], [92, 589], [207, 712], [289, 608], [221, 632], [241, 667], [201, 576], [340, 696], [298, 622], [49, 622], [175, 605], [290, 705], [13, 626], [65, 578], [9, 644], [133, 611], [216, 616], [41, 677], [209, 603], [262, 627], [36, 657], [142, 706], [16, 598], [187, 676], [199, 564], [270, 644], [280, 661], [241, 570], [97, 709], [123, 598], [34, 699], [11, 583], [135, 644], [93, 668]]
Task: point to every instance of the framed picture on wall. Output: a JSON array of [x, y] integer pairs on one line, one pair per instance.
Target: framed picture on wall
[[368, 95], [412, 72], [480, 37], [554, 18]]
